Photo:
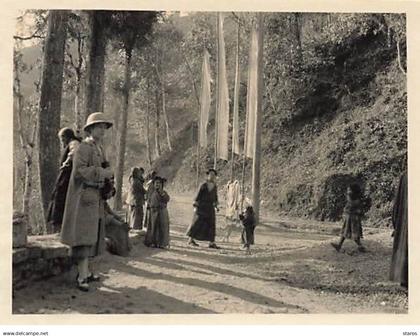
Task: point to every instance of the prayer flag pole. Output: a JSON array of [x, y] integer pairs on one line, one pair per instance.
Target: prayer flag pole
[[257, 130], [217, 91], [235, 129]]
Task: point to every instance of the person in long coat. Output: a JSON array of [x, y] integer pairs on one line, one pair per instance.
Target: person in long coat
[[157, 234], [399, 263], [69, 142], [352, 218], [203, 226], [135, 199], [84, 218]]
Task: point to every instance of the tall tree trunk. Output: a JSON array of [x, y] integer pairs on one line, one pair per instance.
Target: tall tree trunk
[[157, 140], [78, 115], [50, 103], [165, 115], [149, 150], [96, 64], [115, 133], [123, 136], [297, 30]]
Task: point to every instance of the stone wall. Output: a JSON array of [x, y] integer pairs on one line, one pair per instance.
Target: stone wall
[[42, 257]]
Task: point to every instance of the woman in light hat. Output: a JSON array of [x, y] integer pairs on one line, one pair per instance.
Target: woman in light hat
[[205, 205], [83, 221]]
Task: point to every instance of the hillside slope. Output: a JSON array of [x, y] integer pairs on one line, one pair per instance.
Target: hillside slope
[[359, 135]]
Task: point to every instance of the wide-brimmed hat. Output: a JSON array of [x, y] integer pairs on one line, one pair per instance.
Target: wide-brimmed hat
[[97, 118], [211, 170]]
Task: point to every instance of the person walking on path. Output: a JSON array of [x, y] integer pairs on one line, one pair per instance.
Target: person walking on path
[[135, 199], [84, 217], [157, 234], [399, 262], [352, 218], [69, 142], [203, 226]]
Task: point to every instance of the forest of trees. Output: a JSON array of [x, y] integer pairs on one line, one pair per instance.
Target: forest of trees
[[143, 69]]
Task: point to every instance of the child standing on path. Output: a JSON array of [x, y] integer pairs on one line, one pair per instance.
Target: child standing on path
[[352, 218], [248, 222]]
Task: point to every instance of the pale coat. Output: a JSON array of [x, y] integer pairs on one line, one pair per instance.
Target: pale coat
[[84, 206]]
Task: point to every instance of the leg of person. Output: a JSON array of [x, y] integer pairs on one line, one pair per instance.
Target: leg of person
[[141, 216], [82, 277], [360, 247], [212, 244], [248, 249], [192, 242], [339, 245]]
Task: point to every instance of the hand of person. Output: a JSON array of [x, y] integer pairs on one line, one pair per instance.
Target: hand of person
[[108, 173]]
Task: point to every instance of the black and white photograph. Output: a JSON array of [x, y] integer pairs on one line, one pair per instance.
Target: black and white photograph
[[209, 162]]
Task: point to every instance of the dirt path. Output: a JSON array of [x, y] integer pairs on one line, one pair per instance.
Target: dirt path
[[289, 271]]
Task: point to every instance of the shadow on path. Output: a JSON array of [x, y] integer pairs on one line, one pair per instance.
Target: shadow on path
[[229, 290]]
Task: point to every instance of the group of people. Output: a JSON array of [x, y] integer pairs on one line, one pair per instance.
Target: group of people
[[152, 196], [80, 212]]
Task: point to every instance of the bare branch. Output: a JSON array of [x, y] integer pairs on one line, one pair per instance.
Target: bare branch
[[399, 58], [240, 22], [26, 38]]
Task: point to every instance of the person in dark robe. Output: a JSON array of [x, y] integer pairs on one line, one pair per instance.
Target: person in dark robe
[[399, 262], [352, 218], [203, 226], [69, 143], [135, 199], [248, 222], [149, 187], [157, 234]]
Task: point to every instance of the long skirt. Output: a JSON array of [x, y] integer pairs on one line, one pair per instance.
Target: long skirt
[[203, 226], [247, 236], [157, 234], [135, 218], [399, 261], [58, 201], [352, 227]]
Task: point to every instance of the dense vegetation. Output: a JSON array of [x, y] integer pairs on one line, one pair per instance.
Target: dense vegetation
[[334, 109]]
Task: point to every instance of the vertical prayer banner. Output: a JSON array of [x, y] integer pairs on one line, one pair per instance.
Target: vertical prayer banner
[[222, 140], [235, 130], [252, 94], [205, 99]]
